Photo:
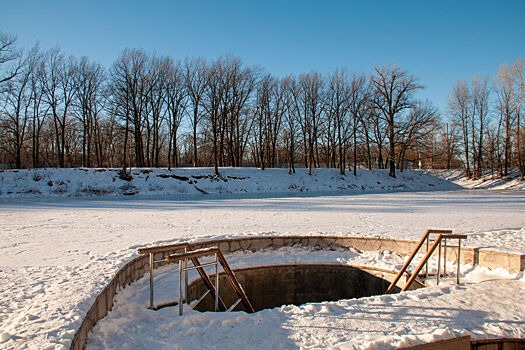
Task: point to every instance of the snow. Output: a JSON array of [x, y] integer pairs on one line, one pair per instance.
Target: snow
[[389, 321], [61, 244], [489, 181], [195, 182]]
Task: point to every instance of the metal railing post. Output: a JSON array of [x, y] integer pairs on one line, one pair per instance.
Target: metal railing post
[[180, 287], [216, 283], [459, 260], [439, 260], [445, 257], [426, 265], [151, 306], [185, 276]]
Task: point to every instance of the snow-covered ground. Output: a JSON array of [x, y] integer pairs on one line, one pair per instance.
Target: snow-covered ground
[[487, 303], [195, 182], [489, 181], [58, 249]]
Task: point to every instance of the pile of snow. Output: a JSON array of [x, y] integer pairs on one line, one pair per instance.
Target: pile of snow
[[487, 182], [180, 182]]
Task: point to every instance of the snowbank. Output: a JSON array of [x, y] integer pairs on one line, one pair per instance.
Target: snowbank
[[486, 182], [181, 182]]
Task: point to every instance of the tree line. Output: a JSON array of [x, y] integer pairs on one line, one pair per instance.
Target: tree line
[[152, 111]]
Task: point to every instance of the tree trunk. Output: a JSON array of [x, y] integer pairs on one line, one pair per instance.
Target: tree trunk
[[355, 145], [391, 152]]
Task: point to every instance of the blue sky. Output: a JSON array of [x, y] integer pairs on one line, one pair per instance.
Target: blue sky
[[437, 41]]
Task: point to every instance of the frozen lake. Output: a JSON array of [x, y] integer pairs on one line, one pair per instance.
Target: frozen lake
[[78, 229]]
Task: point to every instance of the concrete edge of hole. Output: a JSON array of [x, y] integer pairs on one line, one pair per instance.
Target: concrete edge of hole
[[137, 267]]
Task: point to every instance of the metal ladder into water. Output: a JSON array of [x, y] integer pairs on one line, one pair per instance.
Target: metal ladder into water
[[183, 256], [439, 240]]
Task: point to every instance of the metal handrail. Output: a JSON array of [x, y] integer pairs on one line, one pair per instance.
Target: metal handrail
[[412, 256], [443, 235], [213, 288], [183, 266]]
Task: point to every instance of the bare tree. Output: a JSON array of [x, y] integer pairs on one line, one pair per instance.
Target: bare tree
[[367, 121], [459, 110], [60, 88], [155, 80], [240, 83], [262, 113], [393, 92], [450, 142], [89, 103], [507, 111], [17, 107], [311, 102], [276, 125], [492, 148], [422, 120], [337, 108], [128, 91], [269, 111], [291, 116], [519, 81], [195, 71], [359, 106], [176, 104], [479, 121], [149, 111], [10, 58], [39, 108], [212, 106]]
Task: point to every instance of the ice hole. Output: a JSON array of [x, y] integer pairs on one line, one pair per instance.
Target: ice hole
[[272, 286]]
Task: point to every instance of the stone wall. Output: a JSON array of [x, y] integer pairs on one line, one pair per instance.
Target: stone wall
[[132, 271]]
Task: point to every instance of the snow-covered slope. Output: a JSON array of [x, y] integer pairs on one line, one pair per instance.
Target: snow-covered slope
[[486, 182], [198, 181]]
